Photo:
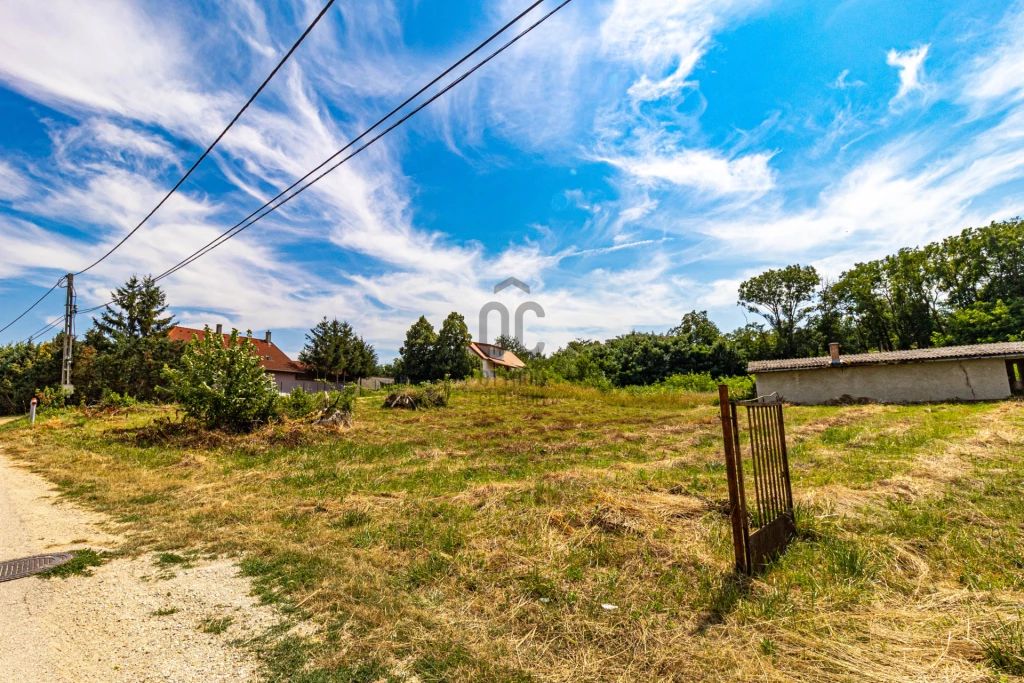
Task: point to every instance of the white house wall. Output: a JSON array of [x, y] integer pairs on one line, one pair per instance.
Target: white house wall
[[966, 380]]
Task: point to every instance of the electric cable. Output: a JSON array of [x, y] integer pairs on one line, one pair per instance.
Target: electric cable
[[38, 301], [254, 218], [214, 144]]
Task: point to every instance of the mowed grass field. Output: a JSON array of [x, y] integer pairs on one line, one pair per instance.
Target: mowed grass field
[[583, 539]]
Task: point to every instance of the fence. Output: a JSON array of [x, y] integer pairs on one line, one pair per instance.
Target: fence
[[771, 515]]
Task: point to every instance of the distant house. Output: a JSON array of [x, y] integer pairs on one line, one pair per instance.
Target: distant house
[[288, 374], [982, 372], [495, 357]]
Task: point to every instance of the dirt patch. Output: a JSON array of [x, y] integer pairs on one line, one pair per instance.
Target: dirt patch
[[131, 620]]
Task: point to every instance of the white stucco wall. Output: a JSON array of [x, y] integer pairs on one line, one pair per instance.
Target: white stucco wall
[[967, 380], [488, 369]]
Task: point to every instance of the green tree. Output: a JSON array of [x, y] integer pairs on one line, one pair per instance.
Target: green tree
[[139, 312], [698, 328], [782, 297], [364, 359], [451, 350], [983, 323], [25, 370], [417, 354], [222, 384], [329, 349], [131, 342]]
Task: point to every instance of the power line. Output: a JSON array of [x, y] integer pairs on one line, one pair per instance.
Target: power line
[[214, 144], [37, 333], [270, 205], [254, 218]]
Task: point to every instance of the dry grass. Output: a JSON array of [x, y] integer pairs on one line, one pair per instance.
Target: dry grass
[[481, 541]]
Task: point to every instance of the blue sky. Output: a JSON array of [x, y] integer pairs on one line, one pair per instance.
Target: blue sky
[[631, 159]]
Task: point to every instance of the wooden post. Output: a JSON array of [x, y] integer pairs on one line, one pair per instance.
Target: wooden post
[[735, 509]]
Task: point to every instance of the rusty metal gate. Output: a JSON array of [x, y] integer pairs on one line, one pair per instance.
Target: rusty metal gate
[[762, 529]]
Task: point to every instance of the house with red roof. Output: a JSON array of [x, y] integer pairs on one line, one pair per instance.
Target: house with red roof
[[288, 374]]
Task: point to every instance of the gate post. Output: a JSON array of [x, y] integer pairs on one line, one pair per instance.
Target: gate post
[[737, 509]]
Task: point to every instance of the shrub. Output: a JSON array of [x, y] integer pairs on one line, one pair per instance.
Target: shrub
[[223, 385], [742, 387], [693, 381], [321, 406], [300, 404], [112, 399]]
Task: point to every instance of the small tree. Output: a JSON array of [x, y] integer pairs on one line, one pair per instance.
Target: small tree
[[451, 351], [223, 385], [364, 359], [418, 352], [131, 342], [138, 312], [333, 349]]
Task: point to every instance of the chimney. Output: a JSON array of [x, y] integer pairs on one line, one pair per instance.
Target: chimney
[[268, 336], [220, 329], [833, 350]]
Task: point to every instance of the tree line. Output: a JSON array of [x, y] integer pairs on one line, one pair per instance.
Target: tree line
[[965, 289], [128, 348]]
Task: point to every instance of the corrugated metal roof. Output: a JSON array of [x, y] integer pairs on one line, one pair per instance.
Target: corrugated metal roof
[[945, 353], [271, 357], [497, 355]]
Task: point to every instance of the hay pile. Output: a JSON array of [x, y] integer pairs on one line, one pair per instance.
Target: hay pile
[[410, 398]]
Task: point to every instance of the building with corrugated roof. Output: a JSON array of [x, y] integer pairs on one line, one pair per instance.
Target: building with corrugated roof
[[980, 372]]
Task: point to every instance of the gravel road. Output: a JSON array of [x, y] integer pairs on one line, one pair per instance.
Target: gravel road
[[105, 627]]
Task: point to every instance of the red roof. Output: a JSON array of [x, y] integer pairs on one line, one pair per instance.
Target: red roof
[[271, 357], [497, 355]]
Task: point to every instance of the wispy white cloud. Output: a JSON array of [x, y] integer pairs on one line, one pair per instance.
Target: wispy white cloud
[[704, 170], [12, 183], [842, 84], [999, 73], [911, 71]]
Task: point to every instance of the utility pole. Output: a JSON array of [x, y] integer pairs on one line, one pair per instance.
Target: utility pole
[[69, 335]]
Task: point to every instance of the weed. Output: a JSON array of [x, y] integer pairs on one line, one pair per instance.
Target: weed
[[168, 560], [1004, 647], [79, 565], [215, 625], [164, 612]]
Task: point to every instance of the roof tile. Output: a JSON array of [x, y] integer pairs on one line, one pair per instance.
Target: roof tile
[[271, 357]]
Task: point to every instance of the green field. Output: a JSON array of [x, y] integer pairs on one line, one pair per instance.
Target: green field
[[488, 541]]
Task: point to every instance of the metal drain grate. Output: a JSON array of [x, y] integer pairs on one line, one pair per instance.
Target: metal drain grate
[[27, 566]]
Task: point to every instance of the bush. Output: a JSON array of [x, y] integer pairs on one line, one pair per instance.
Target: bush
[[51, 399], [223, 385], [742, 387], [698, 382], [112, 399], [300, 405]]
